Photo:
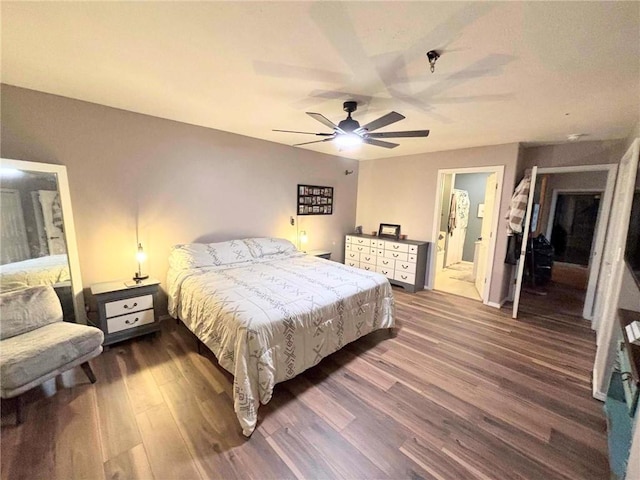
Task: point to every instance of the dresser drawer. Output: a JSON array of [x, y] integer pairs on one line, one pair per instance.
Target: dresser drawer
[[349, 239], [385, 262], [367, 258], [131, 320], [377, 243], [406, 267], [396, 247], [387, 272], [368, 267], [404, 277], [351, 255], [347, 246], [352, 263], [361, 241], [360, 248], [403, 257], [412, 258], [413, 248], [128, 305]]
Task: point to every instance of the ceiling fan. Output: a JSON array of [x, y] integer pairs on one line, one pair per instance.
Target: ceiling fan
[[349, 132]]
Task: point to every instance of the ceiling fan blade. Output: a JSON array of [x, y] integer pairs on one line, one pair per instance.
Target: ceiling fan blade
[[408, 133], [379, 143], [306, 133], [383, 121], [315, 141], [325, 121]]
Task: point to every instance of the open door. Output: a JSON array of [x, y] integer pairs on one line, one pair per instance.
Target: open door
[[609, 284], [486, 235], [525, 239]]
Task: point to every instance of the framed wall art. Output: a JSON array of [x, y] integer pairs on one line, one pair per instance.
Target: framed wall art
[[315, 200]]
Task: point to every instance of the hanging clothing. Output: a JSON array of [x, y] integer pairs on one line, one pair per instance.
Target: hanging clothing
[[462, 208], [451, 225], [56, 213], [518, 206]]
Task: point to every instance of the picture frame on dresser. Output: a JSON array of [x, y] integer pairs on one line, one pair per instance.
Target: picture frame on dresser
[[389, 230]]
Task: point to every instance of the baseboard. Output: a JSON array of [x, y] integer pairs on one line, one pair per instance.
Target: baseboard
[[600, 396], [496, 304]]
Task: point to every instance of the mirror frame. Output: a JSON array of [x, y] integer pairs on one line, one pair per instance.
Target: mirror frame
[[69, 227]]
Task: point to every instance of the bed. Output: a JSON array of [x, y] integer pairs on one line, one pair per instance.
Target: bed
[[269, 312], [48, 270]]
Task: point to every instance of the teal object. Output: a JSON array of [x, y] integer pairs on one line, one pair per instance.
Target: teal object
[[619, 427]]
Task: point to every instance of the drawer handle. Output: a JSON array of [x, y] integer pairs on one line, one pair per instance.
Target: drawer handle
[[395, 255], [385, 262], [367, 258], [360, 248], [367, 268], [404, 277], [360, 241], [396, 246], [405, 266], [385, 272], [135, 304], [128, 322]]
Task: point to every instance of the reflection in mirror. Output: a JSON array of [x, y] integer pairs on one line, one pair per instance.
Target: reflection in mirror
[[35, 232]]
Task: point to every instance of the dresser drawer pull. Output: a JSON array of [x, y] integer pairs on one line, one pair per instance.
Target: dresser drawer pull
[[404, 277], [129, 322], [395, 255], [396, 246], [405, 266], [385, 262], [367, 258], [360, 241], [130, 307]]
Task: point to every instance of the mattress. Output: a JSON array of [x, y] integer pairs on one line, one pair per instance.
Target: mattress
[[269, 319]]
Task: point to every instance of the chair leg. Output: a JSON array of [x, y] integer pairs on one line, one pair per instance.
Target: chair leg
[[86, 368], [19, 413]]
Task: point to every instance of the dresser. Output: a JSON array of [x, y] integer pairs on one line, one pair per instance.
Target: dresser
[[126, 311], [403, 262]]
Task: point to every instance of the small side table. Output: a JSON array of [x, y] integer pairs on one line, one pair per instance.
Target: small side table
[[320, 253], [126, 310]]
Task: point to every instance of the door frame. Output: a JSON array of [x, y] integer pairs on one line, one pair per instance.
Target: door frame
[[499, 171], [607, 199]]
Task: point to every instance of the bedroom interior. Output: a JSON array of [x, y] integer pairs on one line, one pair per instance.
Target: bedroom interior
[[158, 126]]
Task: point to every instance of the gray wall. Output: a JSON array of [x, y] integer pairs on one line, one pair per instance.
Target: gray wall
[[178, 183], [475, 184]]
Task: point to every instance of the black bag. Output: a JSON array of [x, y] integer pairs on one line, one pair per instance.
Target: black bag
[[514, 245]]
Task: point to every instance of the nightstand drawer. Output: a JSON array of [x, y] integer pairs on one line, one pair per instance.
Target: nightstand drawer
[[128, 305], [131, 320]]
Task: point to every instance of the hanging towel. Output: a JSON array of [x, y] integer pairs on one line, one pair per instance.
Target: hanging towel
[[56, 213], [462, 208], [452, 214], [518, 205]]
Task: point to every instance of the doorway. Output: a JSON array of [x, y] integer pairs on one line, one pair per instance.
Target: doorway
[[561, 254], [465, 222]]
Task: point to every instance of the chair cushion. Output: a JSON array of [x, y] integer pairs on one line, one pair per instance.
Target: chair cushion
[[26, 357], [28, 309]]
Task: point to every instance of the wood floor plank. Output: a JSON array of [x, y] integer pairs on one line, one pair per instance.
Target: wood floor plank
[[166, 450], [141, 385], [130, 465], [118, 428]]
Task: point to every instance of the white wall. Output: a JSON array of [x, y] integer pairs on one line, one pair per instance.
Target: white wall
[[403, 190], [179, 183]]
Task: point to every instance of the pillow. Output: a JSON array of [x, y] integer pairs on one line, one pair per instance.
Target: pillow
[[197, 255], [25, 310], [261, 247]]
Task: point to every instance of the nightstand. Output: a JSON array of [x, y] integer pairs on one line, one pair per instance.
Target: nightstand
[[320, 253], [126, 311]]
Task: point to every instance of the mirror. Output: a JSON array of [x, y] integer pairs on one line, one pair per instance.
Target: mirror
[[37, 243]]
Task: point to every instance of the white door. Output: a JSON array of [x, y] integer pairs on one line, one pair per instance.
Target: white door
[[13, 238], [595, 262], [52, 227], [525, 237], [608, 290], [485, 235]]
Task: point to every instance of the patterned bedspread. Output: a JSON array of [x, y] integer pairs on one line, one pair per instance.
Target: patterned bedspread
[[47, 270], [268, 320]]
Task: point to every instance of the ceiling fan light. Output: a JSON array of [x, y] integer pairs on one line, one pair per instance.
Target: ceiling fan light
[[348, 140]]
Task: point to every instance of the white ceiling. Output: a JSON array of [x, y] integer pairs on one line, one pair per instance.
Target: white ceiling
[[509, 72]]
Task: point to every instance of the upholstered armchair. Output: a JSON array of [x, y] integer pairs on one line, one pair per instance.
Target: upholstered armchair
[[36, 345]]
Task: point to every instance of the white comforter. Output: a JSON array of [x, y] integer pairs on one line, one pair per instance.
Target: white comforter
[[268, 320], [47, 270]]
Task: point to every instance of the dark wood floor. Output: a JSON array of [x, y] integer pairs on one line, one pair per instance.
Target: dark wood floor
[[462, 392]]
